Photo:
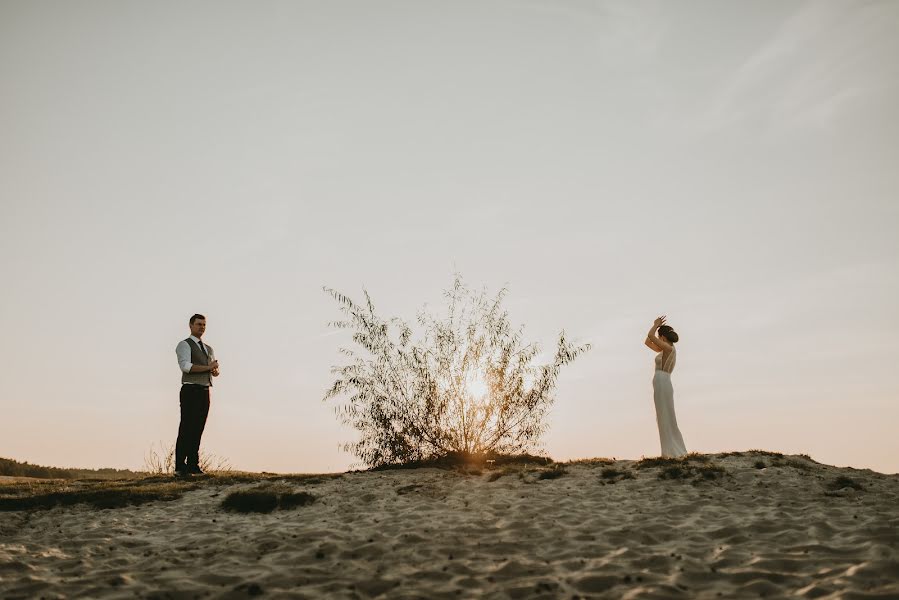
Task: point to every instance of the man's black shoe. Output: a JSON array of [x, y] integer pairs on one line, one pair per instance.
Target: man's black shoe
[[195, 470], [181, 472]]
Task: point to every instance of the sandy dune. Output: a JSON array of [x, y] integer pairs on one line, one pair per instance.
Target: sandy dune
[[754, 530]]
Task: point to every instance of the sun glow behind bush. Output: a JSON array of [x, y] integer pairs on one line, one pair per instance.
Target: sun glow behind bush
[[468, 385]]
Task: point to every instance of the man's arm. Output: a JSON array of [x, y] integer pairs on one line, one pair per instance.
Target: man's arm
[[182, 351]]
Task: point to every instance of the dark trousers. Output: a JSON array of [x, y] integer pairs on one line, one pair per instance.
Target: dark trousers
[[194, 410]]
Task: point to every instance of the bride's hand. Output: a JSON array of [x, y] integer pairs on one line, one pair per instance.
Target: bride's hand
[[660, 321]]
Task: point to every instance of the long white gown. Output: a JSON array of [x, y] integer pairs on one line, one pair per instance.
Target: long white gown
[[663, 394]]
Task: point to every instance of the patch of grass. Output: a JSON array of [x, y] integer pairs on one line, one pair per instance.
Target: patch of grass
[[592, 462], [753, 452], [102, 494], [795, 464], [162, 462], [729, 454], [844, 482], [667, 461], [507, 470], [107, 493], [466, 461], [292, 500], [266, 499], [696, 457], [614, 475], [710, 472], [305, 479], [695, 473], [760, 464], [758, 452], [249, 501], [553, 472], [674, 472], [657, 461]]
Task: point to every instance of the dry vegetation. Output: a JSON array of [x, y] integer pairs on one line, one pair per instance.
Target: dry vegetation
[[162, 461], [469, 385], [274, 491], [266, 498], [46, 494]]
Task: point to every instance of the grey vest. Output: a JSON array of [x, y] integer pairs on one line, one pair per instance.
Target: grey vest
[[198, 358]]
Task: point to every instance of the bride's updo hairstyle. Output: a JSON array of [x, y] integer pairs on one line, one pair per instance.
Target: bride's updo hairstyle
[[668, 333]]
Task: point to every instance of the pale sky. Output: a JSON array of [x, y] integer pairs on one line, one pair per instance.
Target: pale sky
[[730, 164]]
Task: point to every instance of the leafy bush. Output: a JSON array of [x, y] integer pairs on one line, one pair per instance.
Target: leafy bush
[[470, 385]]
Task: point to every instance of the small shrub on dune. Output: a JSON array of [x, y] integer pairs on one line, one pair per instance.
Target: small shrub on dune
[[469, 385]]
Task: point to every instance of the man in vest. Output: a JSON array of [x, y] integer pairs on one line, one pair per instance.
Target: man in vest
[[198, 367]]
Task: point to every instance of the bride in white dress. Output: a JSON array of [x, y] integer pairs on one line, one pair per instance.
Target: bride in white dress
[[663, 392]]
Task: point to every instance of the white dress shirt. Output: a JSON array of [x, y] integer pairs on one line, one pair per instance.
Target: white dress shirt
[[182, 350]]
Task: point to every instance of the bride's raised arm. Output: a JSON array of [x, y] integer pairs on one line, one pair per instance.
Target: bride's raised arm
[[654, 342]]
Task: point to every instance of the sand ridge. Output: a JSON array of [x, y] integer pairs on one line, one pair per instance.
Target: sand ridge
[[597, 530]]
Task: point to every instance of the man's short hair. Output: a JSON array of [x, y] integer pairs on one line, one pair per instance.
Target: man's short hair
[[195, 317]]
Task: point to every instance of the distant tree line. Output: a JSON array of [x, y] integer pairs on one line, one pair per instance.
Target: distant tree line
[[14, 468]]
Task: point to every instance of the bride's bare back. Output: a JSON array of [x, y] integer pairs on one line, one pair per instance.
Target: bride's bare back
[[665, 360]]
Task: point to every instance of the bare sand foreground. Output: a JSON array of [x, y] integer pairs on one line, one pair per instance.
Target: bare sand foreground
[[741, 526]]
